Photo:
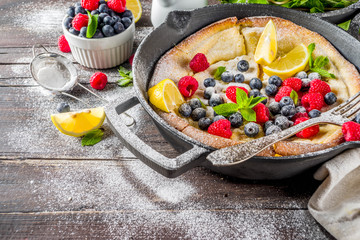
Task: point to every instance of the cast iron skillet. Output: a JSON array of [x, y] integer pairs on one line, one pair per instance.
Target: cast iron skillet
[[179, 25], [340, 15]]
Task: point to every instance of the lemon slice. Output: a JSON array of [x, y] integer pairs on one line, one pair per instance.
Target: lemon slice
[[266, 48], [165, 95], [288, 65], [77, 124], [135, 7]]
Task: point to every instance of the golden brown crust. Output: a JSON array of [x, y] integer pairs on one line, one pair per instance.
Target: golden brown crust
[[289, 35]]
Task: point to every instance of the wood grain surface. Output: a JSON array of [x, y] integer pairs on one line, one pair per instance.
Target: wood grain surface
[[53, 188]]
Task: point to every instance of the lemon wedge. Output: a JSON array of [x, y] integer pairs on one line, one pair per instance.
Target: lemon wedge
[[266, 48], [77, 124], [165, 95], [135, 7], [294, 61]]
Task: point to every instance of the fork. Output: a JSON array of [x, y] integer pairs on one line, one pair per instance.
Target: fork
[[343, 113]]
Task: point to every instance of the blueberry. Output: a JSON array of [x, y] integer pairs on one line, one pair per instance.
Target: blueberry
[[74, 31], [195, 103], [83, 31], [265, 100], [101, 25], [254, 93], [119, 27], [251, 129], [314, 75], [63, 107], [227, 76], [285, 101], [108, 31], [268, 124], [103, 8], [330, 98], [209, 82], [301, 75], [71, 11], [243, 65], [255, 83], [185, 110], [102, 16], [78, 4], [209, 91], [218, 117], [98, 34], [272, 129], [283, 123], [116, 18], [215, 100], [204, 123], [126, 21], [314, 113], [112, 13], [67, 22], [108, 20], [305, 84], [79, 10], [288, 111], [271, 90], [274, 108], [239, 78], [300, 109], [128, 14], [198, 113], [102, 2], [357, 118], [236, 119], [275, 80]]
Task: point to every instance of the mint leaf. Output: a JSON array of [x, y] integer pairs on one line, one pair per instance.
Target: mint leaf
[[241, 98], [321, 61], [92, 137], [256, 101], [126, 77], [323, 73], [92, 25], [311, 48], [294, 96], [226, 109], [248, 114], [202, 104], [345, 25], [218, 72]]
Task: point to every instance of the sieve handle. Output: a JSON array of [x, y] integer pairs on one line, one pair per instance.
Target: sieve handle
[[38, 45], [169, 167]]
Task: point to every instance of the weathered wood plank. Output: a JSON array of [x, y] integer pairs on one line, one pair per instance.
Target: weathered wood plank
[[164, 224], [57, 185]]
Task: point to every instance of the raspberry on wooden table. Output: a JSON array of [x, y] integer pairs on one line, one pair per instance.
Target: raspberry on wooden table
[[312, 101], [221, 128], [351, 131], [63, 44], [187, 86], [98, 80], [307, 132], [199, 63]]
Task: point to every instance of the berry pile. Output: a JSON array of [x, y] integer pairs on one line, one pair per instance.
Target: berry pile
[[113, 18], [287, 102]]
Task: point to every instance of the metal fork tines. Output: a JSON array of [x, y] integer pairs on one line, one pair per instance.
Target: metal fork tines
[[236, 154]]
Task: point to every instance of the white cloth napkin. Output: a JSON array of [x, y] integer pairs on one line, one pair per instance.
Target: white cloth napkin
[[336, 203]]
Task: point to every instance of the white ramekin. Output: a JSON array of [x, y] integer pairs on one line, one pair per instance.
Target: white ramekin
[[104, 52]]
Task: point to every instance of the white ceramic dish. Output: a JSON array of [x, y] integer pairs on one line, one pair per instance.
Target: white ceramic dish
[[104, 52]]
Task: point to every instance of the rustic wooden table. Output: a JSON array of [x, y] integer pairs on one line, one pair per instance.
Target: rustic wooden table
[[51, 187]]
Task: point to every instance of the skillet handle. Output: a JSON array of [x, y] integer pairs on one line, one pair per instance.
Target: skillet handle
[[169, 167], [355, 25]]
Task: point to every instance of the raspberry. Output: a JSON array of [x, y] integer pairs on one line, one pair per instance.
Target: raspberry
[[299, 115], [90, 4], [117, 5], [199, 63], [318, 86], [231, 92], [63, 44], [294, 83], [131, 59], [221, 128], [283, 92], [188, 86], [79, 21], [312, 101], [307, 132], [351, 131], [98, 80], [262, 113]]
